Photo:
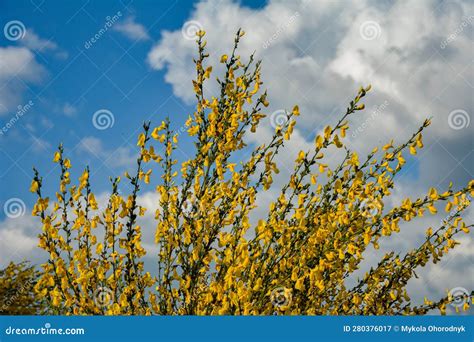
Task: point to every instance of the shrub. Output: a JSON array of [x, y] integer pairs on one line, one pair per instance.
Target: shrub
[[211, 260], [17, 296]]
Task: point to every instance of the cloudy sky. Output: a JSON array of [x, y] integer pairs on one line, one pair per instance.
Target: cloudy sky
[[89, 73]]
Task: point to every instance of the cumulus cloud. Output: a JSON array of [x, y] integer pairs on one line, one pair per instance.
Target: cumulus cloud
[[121, 156], [35, 42], [69, 110], [417, 55], [19, 235], [18, 239], [317, 54], [132, 30], [18, 67]]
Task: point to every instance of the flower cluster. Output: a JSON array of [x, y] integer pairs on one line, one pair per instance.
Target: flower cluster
[[211, 259], [17, 296]]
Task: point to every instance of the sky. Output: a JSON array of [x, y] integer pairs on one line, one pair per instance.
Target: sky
[[88, 73]]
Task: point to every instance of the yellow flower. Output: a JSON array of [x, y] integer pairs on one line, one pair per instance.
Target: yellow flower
[[337, 142], [193, 130], [319, 141], [433, 194], [388, 146], [301, 157], [141, 140], [296, 111], [213, 259], [93, 202], [99, 248], [34, 186], [327, 132], [57, 157]]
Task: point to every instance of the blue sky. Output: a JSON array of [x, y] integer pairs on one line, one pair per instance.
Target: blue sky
[[112, 74], [79, 78], [416, 54]]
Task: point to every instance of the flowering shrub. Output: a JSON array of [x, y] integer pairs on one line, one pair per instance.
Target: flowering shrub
[[17, 296], [211, 260]]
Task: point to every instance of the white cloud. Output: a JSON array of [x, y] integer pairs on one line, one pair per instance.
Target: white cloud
[[18, 62], [69, 110], [319, 58], [317, 53], [18, 239], [121, 156], [132, 30], [18, 67], [35, 42], [19, 236]]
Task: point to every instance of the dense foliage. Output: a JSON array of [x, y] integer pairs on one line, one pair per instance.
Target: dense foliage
[[211, 260], [17, 295]]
